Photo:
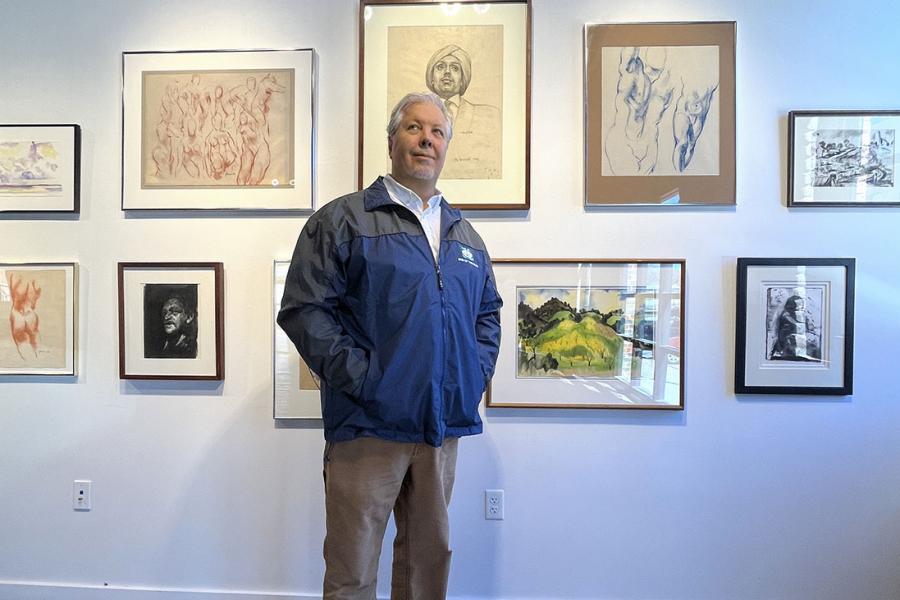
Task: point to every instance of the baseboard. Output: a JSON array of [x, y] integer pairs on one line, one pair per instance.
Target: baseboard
[[35, 590]]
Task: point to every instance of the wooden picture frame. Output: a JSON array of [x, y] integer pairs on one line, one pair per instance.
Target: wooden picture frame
[[591, 333], [171, 320], [40, 168], [39, 308], [659, 114], [219, 130], [843, 158], [794, 326], [487, 163]]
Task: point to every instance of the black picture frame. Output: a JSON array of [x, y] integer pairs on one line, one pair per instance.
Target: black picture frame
[[68, 200], [837, 168], [823, 367]]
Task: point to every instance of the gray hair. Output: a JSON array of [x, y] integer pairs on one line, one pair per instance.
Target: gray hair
[[417, 98]]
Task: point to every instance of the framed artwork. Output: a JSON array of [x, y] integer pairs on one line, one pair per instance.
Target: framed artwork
[[659, 114], [296, 386], [590, 334], [794, 329], [218, 129], [843, 158], [477, 58], [40, 168], [39, 316], [170, 321]]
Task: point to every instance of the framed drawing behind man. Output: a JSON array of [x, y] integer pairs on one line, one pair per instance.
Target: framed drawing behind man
[[170, 321], [39, 312], [590, 334], [218, 129], [296, 386], [476, 57], [843, 158], [794, 327], [659, 102], [40, 168]]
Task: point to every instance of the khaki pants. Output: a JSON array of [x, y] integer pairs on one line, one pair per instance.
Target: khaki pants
[[367, 478]]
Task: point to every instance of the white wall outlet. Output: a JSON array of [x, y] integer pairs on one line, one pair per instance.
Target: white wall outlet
[[493, 504], [81, 494]]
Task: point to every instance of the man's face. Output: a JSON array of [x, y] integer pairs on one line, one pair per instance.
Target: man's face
[[446, 77], [419, 146], [174, 316]]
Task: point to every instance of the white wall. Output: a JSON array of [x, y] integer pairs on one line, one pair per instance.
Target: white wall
[[196, 488]]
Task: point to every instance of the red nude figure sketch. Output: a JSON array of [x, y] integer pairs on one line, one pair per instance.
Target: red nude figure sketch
[[24, 323]]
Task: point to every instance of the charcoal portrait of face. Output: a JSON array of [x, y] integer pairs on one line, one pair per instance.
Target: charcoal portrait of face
[[170, 320]]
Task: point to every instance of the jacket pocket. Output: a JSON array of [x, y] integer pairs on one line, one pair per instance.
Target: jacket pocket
[[371, 381]]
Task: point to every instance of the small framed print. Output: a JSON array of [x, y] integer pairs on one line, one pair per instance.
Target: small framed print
[[659, 102], [476, 56], [843, 158], [794, 329], [39, 311], [170, 321], [296, 386], [590, 334], [218, 129], [40, 168]]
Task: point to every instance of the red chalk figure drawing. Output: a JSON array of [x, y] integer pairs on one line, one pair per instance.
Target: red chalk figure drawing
[[34, 304], [207, 129], [24, 322]]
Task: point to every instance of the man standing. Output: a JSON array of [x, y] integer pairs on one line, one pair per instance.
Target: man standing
[[391, 300]]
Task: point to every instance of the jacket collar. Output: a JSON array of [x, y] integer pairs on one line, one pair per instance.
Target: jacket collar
[[376, 195]]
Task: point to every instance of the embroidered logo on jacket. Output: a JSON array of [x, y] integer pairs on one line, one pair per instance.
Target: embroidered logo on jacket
[[467, 256]]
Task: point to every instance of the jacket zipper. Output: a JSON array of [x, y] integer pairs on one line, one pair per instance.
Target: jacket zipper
[[440, 283], [440, 423]]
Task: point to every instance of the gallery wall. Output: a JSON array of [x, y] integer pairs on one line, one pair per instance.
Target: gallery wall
[[195, 487]]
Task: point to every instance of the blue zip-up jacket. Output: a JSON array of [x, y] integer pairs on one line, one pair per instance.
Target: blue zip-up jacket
[[404, 346]]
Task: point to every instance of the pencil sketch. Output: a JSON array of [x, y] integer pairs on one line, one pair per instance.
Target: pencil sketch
[[660, 110], [794, 323], [35, 302], [170, 320], [29, 167], [851, 157], [464, 66], [217, 128]]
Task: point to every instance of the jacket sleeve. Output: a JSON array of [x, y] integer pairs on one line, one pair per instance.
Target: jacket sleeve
[[487, 325], [315, 284]]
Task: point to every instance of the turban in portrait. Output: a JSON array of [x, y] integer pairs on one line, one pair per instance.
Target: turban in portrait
[[465, 62]]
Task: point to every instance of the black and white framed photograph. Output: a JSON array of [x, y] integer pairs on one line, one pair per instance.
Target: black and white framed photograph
[[843, 158], [40, 168], [794, 329], [218, 129], [170, 321]]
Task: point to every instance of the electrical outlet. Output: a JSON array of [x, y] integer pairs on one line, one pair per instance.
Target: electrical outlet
[[493, 505], [81, 494]]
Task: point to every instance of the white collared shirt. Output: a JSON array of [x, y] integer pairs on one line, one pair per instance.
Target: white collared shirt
[[429, 213]]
